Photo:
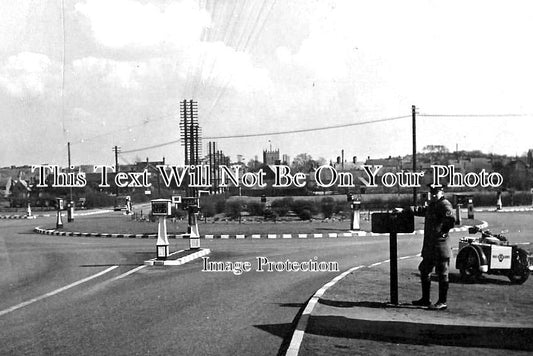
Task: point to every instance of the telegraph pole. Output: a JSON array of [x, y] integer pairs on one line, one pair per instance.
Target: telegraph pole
[[413, 109], [68, 152], [117, 150], [190, 135]]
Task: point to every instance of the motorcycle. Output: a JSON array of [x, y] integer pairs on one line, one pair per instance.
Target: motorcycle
[[491, 254]]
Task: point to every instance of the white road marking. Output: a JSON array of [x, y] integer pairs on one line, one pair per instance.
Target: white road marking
[[299, 332], [52, 293], [128, 273]]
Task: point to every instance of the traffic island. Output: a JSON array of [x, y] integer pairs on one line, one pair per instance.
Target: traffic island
[[18, 216], [179, 257], [355, 314]]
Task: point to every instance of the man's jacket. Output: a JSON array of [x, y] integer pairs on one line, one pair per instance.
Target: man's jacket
[[439, 219]]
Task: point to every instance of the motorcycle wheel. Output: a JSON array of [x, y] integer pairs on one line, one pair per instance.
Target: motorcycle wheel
[[519, 272], [470, 269]]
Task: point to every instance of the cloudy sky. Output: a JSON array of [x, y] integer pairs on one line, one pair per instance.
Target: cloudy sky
[[104, 73]]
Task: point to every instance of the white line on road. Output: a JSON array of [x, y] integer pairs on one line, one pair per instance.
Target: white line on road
[[49, 294], [299, 332], [128, 273]]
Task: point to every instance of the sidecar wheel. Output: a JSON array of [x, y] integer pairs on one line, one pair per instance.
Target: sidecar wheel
[[470, 269], [520, 267]]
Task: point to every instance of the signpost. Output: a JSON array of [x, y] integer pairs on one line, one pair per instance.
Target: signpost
[[356, 215], [192, 230], [355, 206], [70, 211], [470, 208], [162, 209], [192, 205], [60, 207], [397, 221]]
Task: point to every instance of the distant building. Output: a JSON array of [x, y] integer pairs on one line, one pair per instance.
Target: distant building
[[391, 164], [475, 164], [271, 157]]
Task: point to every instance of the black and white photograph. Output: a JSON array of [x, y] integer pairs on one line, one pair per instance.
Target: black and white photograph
[[265, 177]]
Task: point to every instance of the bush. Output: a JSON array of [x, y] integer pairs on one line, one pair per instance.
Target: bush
[[282, 206], [256, 208], [305, 214], [269, 214], [234, 208], [208, 208], [177, 213], [327, 206], [304, 208], [220, 206], [97, 199]]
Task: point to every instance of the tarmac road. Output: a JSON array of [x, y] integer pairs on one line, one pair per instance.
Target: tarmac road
[[61, 295]]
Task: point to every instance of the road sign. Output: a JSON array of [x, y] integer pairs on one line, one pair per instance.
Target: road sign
[[161, 207], [188, 201], [393, 223]]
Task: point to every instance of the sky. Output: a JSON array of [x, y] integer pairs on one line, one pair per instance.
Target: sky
[[100, 74]]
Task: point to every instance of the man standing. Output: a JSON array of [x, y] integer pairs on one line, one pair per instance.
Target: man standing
[[436, 250]]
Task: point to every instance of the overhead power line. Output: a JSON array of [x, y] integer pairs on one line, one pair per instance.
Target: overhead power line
[[276, 132], [474, 115], [308, 129], [143, 124]]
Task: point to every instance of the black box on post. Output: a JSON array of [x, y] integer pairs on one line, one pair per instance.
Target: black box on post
[[393, 222]]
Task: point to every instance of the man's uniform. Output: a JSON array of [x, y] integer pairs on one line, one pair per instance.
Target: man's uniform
[[436, 250]]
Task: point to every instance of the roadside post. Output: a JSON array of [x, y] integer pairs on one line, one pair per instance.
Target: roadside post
[[70, 211], [397, 221], [470, 208], [355, 216], [162, 209], [458, 214], [28, 211], [192, 206], [176, 201], [192, 230], [129, 209], [60, 207]]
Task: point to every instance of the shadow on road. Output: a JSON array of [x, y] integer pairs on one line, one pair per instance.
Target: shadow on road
[[365, 304], [280, 330], [112, 264], [420, 333], [291, 305]]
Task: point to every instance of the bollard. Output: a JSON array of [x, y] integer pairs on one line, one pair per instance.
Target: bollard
[[28, 211], [59, 222], [499, 201], [60, 206], [470, 208], [192, 229], [70, 211], [162, 244], [129, 209], [458, 215], [355, 216], [161, 208]]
